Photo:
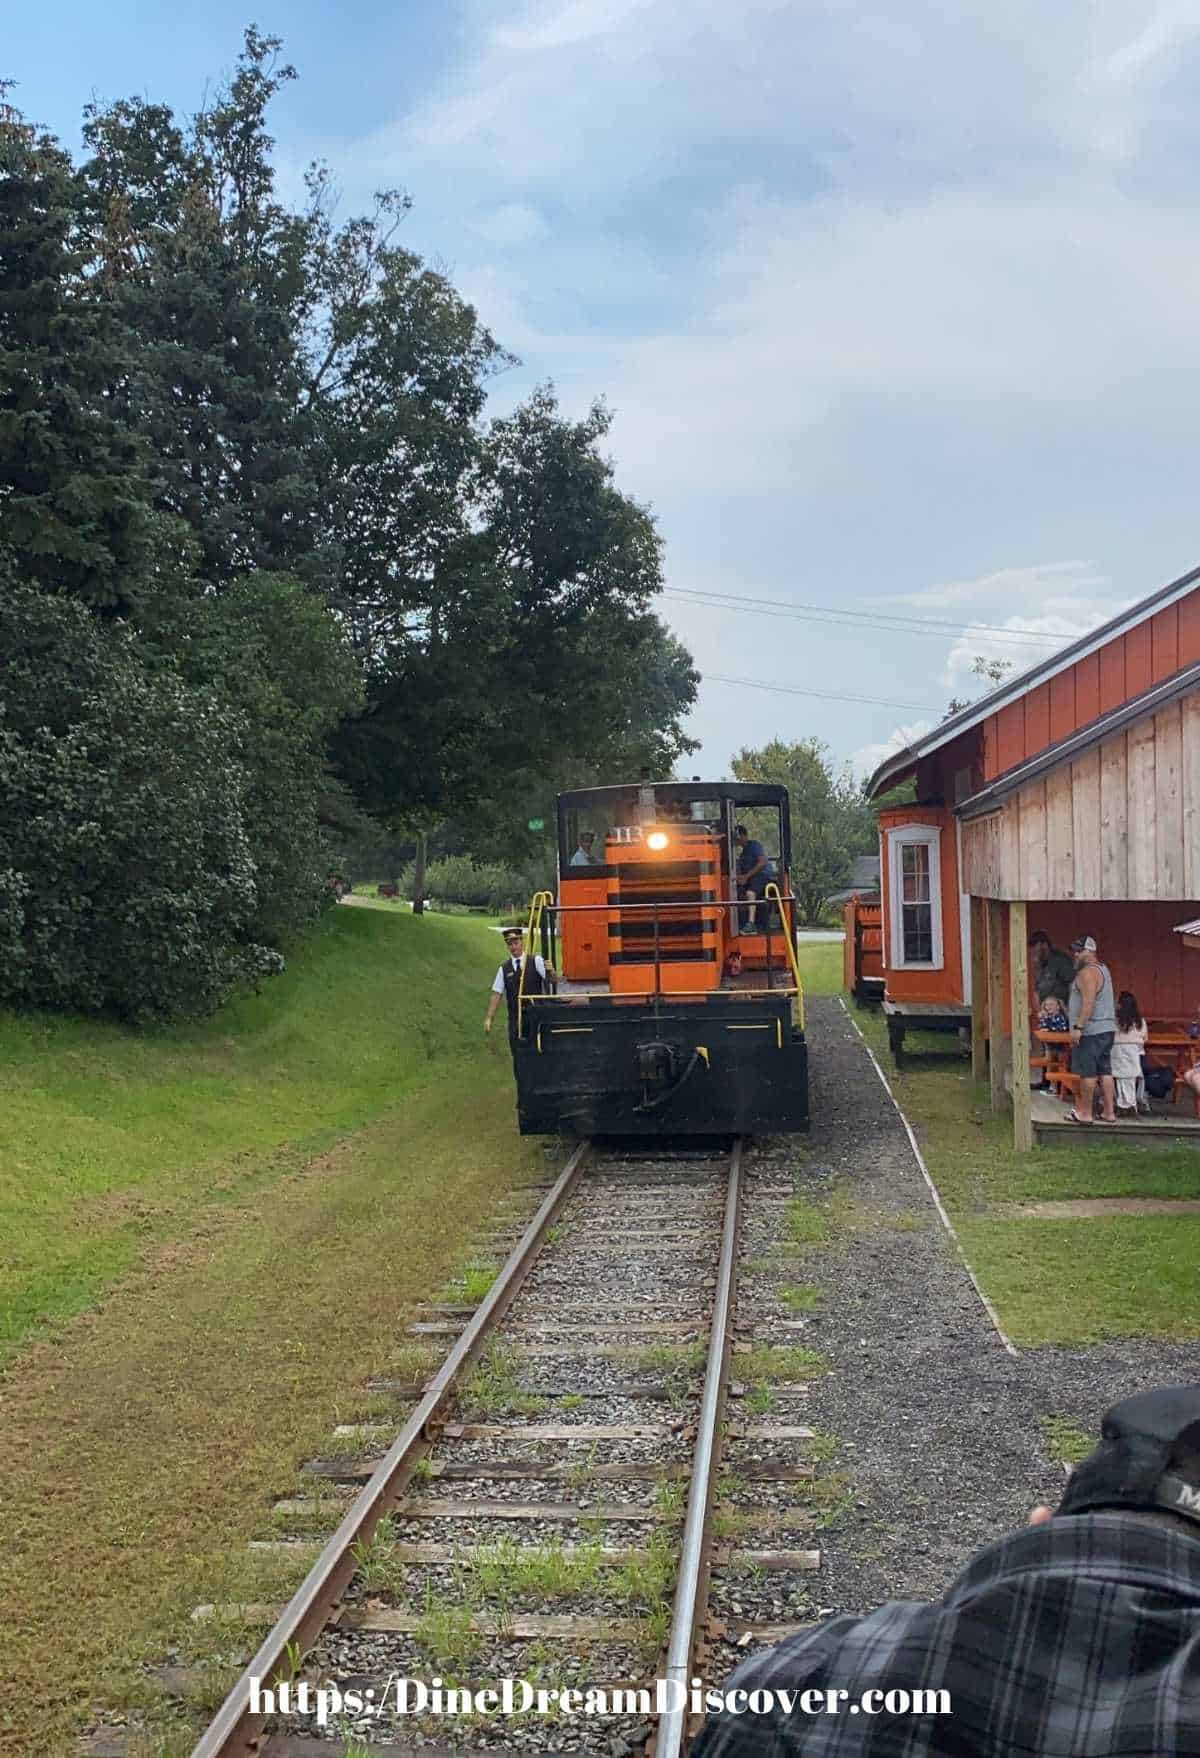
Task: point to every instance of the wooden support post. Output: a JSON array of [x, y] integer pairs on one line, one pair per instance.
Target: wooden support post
[[995, 990], [979, 989], [1018, 964]]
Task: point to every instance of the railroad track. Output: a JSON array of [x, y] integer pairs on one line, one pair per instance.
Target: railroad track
[[610, 1431]]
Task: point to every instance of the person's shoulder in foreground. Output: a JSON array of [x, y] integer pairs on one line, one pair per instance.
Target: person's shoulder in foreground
[[1076, 1637]]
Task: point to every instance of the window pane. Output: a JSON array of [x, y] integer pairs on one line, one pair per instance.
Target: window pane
[[914, 868], [917, 925]]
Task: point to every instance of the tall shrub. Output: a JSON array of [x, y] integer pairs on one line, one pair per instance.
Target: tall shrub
[[126, 877]]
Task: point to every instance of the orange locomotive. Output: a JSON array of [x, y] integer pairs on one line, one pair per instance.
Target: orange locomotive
[[679, 1009]]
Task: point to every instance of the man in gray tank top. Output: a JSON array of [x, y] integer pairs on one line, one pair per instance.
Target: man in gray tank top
[[1092, 1011]]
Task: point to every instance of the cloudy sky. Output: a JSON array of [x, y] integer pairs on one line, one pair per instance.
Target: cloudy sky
[[897, 307]]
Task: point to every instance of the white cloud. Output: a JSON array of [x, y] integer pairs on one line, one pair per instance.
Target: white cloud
[[555, 26], [512, 225], [866, 760], [1022, 583], [1054, 632], [1167, 29], [886, 299]]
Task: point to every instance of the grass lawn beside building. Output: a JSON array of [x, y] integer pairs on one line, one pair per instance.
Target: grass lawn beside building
[[1069, 1281]]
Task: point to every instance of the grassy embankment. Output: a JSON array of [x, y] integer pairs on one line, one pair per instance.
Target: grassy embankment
[[212, 1235], [1053, 1281]]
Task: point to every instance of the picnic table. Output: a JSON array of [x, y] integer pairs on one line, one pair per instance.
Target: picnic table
[[1162, 1036]]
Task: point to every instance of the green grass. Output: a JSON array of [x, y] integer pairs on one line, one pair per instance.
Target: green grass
[[470, 1288], [806, 1223], [1081, 1281], [397, 905], [768, 1363], [801, 1297], [969, 1147], [1066, 1281], [110, 1137], [494, 1386], [509, 1569], [250, 1207], [1065, 1439], [821, 967]]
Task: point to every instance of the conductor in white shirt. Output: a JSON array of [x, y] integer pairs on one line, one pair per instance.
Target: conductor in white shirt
[[507, 983], [583, 854]]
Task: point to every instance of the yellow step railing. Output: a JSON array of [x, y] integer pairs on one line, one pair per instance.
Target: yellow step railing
[[537, 909], [771, 894]]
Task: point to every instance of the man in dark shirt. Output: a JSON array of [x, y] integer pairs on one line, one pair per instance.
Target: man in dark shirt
[[1077, 1637], [755, 870], [1053, 969], [1053, 972]]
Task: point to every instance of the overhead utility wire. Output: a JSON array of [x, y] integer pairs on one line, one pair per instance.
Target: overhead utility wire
[[820, 613], [712, 677], [835, 613]]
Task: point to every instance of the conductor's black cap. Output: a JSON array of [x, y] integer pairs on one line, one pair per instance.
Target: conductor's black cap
[[1148, 1457]]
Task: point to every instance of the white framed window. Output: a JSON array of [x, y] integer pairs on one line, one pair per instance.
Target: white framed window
[[915, 897]]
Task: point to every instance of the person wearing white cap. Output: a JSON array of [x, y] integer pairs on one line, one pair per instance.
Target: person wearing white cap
[[1092, 1011]]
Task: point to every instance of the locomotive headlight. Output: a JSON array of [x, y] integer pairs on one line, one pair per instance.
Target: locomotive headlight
[[657, 839]]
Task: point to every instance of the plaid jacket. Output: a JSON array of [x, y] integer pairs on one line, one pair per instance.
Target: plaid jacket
[[1076, 1639]]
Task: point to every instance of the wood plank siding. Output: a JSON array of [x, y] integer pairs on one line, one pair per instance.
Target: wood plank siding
[[1101, 837], [1121, 822], [1139, 945], [1121, 669]]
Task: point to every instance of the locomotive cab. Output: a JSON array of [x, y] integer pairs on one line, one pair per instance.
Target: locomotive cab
[[679, 1008]]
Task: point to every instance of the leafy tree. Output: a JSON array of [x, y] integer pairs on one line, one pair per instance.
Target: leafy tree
[[529, 647], [397, 367], [127, 880], [269, 649], [644, 702], [313, 395], [994, 670], [244, 464], [74, 498], [207, 272], [831, 819]]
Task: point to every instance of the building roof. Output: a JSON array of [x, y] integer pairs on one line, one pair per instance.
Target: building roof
[[863, 882], [1077, 743], [894, 768], [1192, 928]]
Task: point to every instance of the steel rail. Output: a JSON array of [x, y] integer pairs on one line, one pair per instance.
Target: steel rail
[[234, 1732], [692, 1586]]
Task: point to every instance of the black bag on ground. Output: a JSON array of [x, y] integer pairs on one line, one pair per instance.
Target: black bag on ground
[[1159, 1081]]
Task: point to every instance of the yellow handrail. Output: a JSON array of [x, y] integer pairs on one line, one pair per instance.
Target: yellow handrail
[[771, 894], [537, 906]]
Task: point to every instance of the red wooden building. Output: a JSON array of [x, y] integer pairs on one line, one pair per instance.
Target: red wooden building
[[1068, 799]]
